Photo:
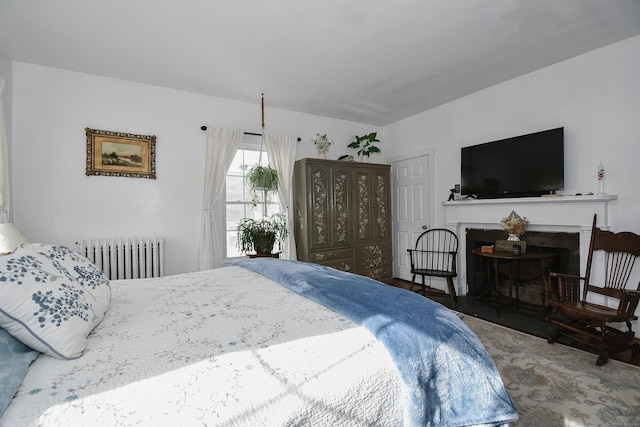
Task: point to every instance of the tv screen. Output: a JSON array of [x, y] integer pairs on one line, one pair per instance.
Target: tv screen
[[522, 166]]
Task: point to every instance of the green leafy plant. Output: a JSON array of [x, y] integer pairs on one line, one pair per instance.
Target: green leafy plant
[[262, 180], [365, 144], [261, 235]]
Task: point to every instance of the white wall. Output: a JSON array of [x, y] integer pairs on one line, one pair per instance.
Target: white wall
[[595, 97], [55, 202]]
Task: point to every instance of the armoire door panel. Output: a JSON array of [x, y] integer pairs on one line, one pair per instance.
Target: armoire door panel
[[363, 205], [341, 209], [320, 207], [381, 208]]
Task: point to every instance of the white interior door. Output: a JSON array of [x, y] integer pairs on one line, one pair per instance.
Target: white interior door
[[411, 186]]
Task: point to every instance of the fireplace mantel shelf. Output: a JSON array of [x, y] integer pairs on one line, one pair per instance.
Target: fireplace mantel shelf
[[543, 213], [558, 199]]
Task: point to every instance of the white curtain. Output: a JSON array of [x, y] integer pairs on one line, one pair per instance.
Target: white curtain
[[4, 160], [222, 145], [282, 155]]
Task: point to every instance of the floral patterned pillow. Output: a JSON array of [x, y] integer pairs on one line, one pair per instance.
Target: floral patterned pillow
[[51, 298]]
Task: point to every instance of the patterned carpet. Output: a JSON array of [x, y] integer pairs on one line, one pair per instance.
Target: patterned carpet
[[555, 385]]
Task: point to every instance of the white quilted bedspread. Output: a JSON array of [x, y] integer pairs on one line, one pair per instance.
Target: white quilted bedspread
[[223, 347]]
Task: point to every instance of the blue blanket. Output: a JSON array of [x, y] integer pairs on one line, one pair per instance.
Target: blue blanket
[[449, 378]]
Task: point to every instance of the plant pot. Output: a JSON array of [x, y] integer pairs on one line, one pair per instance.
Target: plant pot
[[322, 154], [261, 235], [264, 243]]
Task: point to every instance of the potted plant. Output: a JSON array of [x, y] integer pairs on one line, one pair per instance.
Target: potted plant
[[322, 144], [261, 235], [364, 145], [263, 179]]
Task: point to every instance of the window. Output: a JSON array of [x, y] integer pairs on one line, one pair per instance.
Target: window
[[238, 199]]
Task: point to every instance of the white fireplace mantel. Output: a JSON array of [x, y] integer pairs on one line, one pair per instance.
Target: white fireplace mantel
[[552, 214]]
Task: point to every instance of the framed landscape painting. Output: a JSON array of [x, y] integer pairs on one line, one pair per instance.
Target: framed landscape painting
[[120, 154]]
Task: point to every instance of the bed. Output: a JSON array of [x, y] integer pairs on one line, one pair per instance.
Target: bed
[[263, 342]]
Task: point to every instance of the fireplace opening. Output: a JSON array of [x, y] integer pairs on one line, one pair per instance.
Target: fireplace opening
[[566, 259]]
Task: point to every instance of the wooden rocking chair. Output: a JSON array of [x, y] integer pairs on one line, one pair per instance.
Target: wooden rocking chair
[[587, 319]]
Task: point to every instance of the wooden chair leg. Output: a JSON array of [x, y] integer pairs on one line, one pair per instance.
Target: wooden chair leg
[[635, 353], [603, 358], [452, 293], [413, 282], [555, 336]]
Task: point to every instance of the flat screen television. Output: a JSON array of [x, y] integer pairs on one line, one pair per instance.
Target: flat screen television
[[522, 166]]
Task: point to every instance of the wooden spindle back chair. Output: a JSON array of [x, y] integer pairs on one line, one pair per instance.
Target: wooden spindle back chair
[[435, 256]]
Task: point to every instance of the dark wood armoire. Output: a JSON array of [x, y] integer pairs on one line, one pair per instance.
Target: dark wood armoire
[[342, 214]]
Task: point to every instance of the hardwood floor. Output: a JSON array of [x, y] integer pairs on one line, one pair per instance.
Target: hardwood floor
[[527, 319]]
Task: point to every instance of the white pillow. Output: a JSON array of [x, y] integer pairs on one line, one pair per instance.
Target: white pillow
[[51, 298]]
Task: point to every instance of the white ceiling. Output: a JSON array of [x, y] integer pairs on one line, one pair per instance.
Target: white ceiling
[[370, 61]]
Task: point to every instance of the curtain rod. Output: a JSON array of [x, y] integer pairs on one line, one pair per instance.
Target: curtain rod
[[246, 133]]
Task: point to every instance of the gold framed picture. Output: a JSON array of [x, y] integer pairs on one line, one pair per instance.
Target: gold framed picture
[[120, 154]]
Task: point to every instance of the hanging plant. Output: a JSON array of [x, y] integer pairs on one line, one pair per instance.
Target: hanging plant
[[262, 180]]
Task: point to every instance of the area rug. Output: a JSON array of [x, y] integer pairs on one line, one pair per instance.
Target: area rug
[[557, 385]]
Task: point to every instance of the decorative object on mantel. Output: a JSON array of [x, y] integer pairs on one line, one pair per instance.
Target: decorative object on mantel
[[364, 145], [346, 158], [515, 226], [601, 179], [322, 144]]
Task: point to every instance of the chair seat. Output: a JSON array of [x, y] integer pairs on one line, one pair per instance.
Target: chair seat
[[587, 310], [433, 273]]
